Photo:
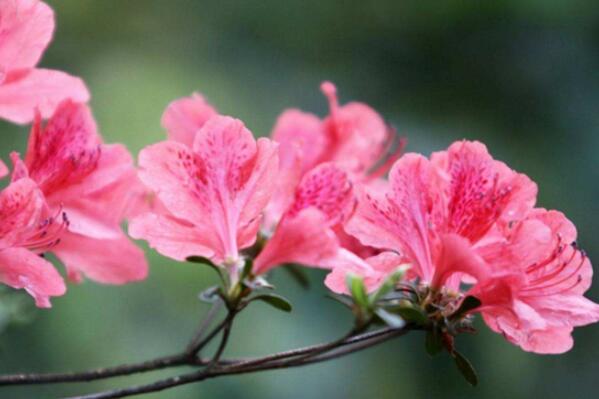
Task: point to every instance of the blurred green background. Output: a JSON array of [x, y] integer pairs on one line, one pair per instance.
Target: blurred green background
[[523, 76]]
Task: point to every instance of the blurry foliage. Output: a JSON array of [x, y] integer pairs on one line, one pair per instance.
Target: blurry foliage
[[519, 75]]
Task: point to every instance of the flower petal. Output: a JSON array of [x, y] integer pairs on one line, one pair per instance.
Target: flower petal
[[20, 268], [171, 237], [302, 239], [26, 28], [326, 188], [399, 218], [66, 150], [116, 261], [300, 134], [184, 117], [40, 89]]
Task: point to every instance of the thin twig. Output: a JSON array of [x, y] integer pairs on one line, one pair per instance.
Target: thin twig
[[188, 358], [224, 340], [96, 374], [284, 360], [204, 325]]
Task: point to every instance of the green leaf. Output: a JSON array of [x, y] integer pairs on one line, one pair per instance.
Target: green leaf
[[469, 303], [433, 342], [298, 274], [465, 368], [275, 301], [358, 290], [392, 320], [389, 284], [413, 314]]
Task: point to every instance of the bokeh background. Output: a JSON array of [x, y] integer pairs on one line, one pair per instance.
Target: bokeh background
[[523, 76]]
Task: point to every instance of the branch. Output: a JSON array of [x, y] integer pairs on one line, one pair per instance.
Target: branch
[[187, 358], [294, 358], [96, 374]]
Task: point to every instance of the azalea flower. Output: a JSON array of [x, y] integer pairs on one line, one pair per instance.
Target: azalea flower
[[26, 28], [463, 217], [534, 295], [27, 229], [213, 193], [94, 184], [353, 136]]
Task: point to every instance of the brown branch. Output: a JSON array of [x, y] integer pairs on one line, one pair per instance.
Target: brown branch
[[294, 358], [187, 358], [96, 374]]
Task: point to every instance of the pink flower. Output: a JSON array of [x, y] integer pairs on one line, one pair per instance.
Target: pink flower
[[94, 183], [464, 217], [184, 117], [26, 28], [535, 296], [28, 228], [304, 234], [354, 136], [441, 206], [213, 193]]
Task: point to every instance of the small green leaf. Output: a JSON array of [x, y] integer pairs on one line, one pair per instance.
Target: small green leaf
[[413, 314], [358, 290], [465, 368], [392, 320], [469, 303], [274, 300], [298, 274], [433, 342], [389, 284]]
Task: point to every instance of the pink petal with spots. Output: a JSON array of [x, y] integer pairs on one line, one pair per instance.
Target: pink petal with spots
[[303, 239], [399, 218], [184, 117], [223, 184], [64, 151], [22, 209], [326, 188]]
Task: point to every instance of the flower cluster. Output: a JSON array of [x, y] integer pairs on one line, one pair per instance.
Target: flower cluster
[[70, 192], [463, 225]]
